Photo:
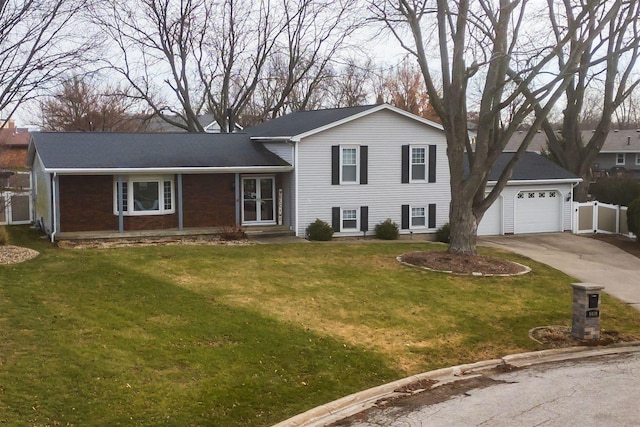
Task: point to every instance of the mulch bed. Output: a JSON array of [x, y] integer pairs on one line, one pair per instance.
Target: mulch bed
[[625, 243], [560, 337], [462, 264]]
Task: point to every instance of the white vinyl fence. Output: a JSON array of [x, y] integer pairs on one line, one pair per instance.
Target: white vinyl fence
[[596, 217]]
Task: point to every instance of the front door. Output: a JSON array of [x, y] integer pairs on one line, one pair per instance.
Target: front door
[[258, 200]]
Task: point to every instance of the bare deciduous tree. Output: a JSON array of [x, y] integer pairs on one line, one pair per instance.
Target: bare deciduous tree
[[78, 106], [201, 55], [607, 63], [37, 47], [488, 41]]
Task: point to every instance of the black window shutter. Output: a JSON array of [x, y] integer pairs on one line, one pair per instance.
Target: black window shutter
[[432, 163], [432, 216], [335, 219], [364, 166], [335, 165], [405, 217], [405, 164], [364, 218]]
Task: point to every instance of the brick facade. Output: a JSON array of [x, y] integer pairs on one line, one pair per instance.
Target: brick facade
[[86, 204], [208, 200]]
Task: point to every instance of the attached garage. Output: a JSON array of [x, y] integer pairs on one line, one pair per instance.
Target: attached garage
[[537, 198]]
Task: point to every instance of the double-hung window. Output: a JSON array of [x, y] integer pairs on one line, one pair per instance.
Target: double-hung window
[[144, 195], [418, 217], [637, 159], [349, 220], [418, 163], [349, 164], [620, 160]]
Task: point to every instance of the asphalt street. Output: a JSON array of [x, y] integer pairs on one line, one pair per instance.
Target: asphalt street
[[597, 391]]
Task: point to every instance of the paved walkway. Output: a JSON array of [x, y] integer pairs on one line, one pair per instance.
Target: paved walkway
[[588, 260]]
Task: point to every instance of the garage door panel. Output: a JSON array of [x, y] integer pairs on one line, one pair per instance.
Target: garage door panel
[[538, 211]]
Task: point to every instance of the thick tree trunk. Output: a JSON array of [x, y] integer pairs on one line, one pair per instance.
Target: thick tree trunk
[[463, 234], [581, 191]]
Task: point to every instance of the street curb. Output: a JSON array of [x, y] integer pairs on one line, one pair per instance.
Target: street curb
[[352, 404]]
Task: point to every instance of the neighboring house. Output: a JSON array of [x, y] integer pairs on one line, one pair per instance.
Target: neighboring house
[[208, 122], [537, 198], [15, 178], [620, 154], [351, 167]]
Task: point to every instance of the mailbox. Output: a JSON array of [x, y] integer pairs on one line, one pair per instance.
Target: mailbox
[[586, 311]]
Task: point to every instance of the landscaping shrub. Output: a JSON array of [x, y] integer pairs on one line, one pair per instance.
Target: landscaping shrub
[[633, 218], [4, 236], [443, 233], [617, 191], [387, 230], [319, 230]]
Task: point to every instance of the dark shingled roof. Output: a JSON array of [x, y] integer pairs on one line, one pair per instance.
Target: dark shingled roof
[[531, 166], [96, 150], [303, 121]]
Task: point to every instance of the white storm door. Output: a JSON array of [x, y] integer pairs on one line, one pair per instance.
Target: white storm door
[[258, 200]]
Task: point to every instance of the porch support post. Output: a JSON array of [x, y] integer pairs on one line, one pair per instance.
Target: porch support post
[[179, 193], [237, 186], [120, 207]]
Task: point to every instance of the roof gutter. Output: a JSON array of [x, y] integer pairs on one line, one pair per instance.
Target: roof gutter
[[539, 181], [169, 170]]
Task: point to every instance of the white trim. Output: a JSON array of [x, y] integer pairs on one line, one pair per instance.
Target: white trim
[[349, 230], [258, 190], [363, 114], [637, 159], [624, 159], [357, 165], [296, 187], [129, 181], [169, 170], [426, 163], [426, 217], [538, 182]]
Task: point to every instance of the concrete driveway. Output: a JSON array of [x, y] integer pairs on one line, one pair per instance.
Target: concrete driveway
[[588, 260]]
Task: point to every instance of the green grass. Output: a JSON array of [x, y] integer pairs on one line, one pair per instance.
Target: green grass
[[213, 335]]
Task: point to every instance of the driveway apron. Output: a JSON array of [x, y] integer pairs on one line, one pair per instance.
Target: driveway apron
[[588, 260]]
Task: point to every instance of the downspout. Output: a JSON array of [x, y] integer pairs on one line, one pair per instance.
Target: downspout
[[180, 212], [120, 205], [54, 207], [297, 194]]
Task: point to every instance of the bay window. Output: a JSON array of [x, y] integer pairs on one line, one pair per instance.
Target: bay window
[[145, 195]]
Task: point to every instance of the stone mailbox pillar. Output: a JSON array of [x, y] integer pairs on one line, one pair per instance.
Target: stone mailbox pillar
[[586, 311]]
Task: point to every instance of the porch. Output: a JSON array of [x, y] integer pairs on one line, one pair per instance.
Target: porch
[[172, 234]]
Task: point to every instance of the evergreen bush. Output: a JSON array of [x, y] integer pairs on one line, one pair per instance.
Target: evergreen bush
[[319, 230], [443, 234], [633, 218], [387, 230]]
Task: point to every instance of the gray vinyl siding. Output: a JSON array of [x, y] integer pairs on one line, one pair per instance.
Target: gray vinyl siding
[[41, 182], [608, 161], [285, 150], [510, 192], [384, 132]]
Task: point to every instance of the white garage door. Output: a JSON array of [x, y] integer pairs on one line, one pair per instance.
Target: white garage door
[[538, 211], [491, 224]]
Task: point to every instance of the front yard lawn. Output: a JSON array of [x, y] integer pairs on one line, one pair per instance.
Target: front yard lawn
[[247, 335]]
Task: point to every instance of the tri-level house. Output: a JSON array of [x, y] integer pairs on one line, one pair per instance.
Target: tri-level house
[[351, 167]]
